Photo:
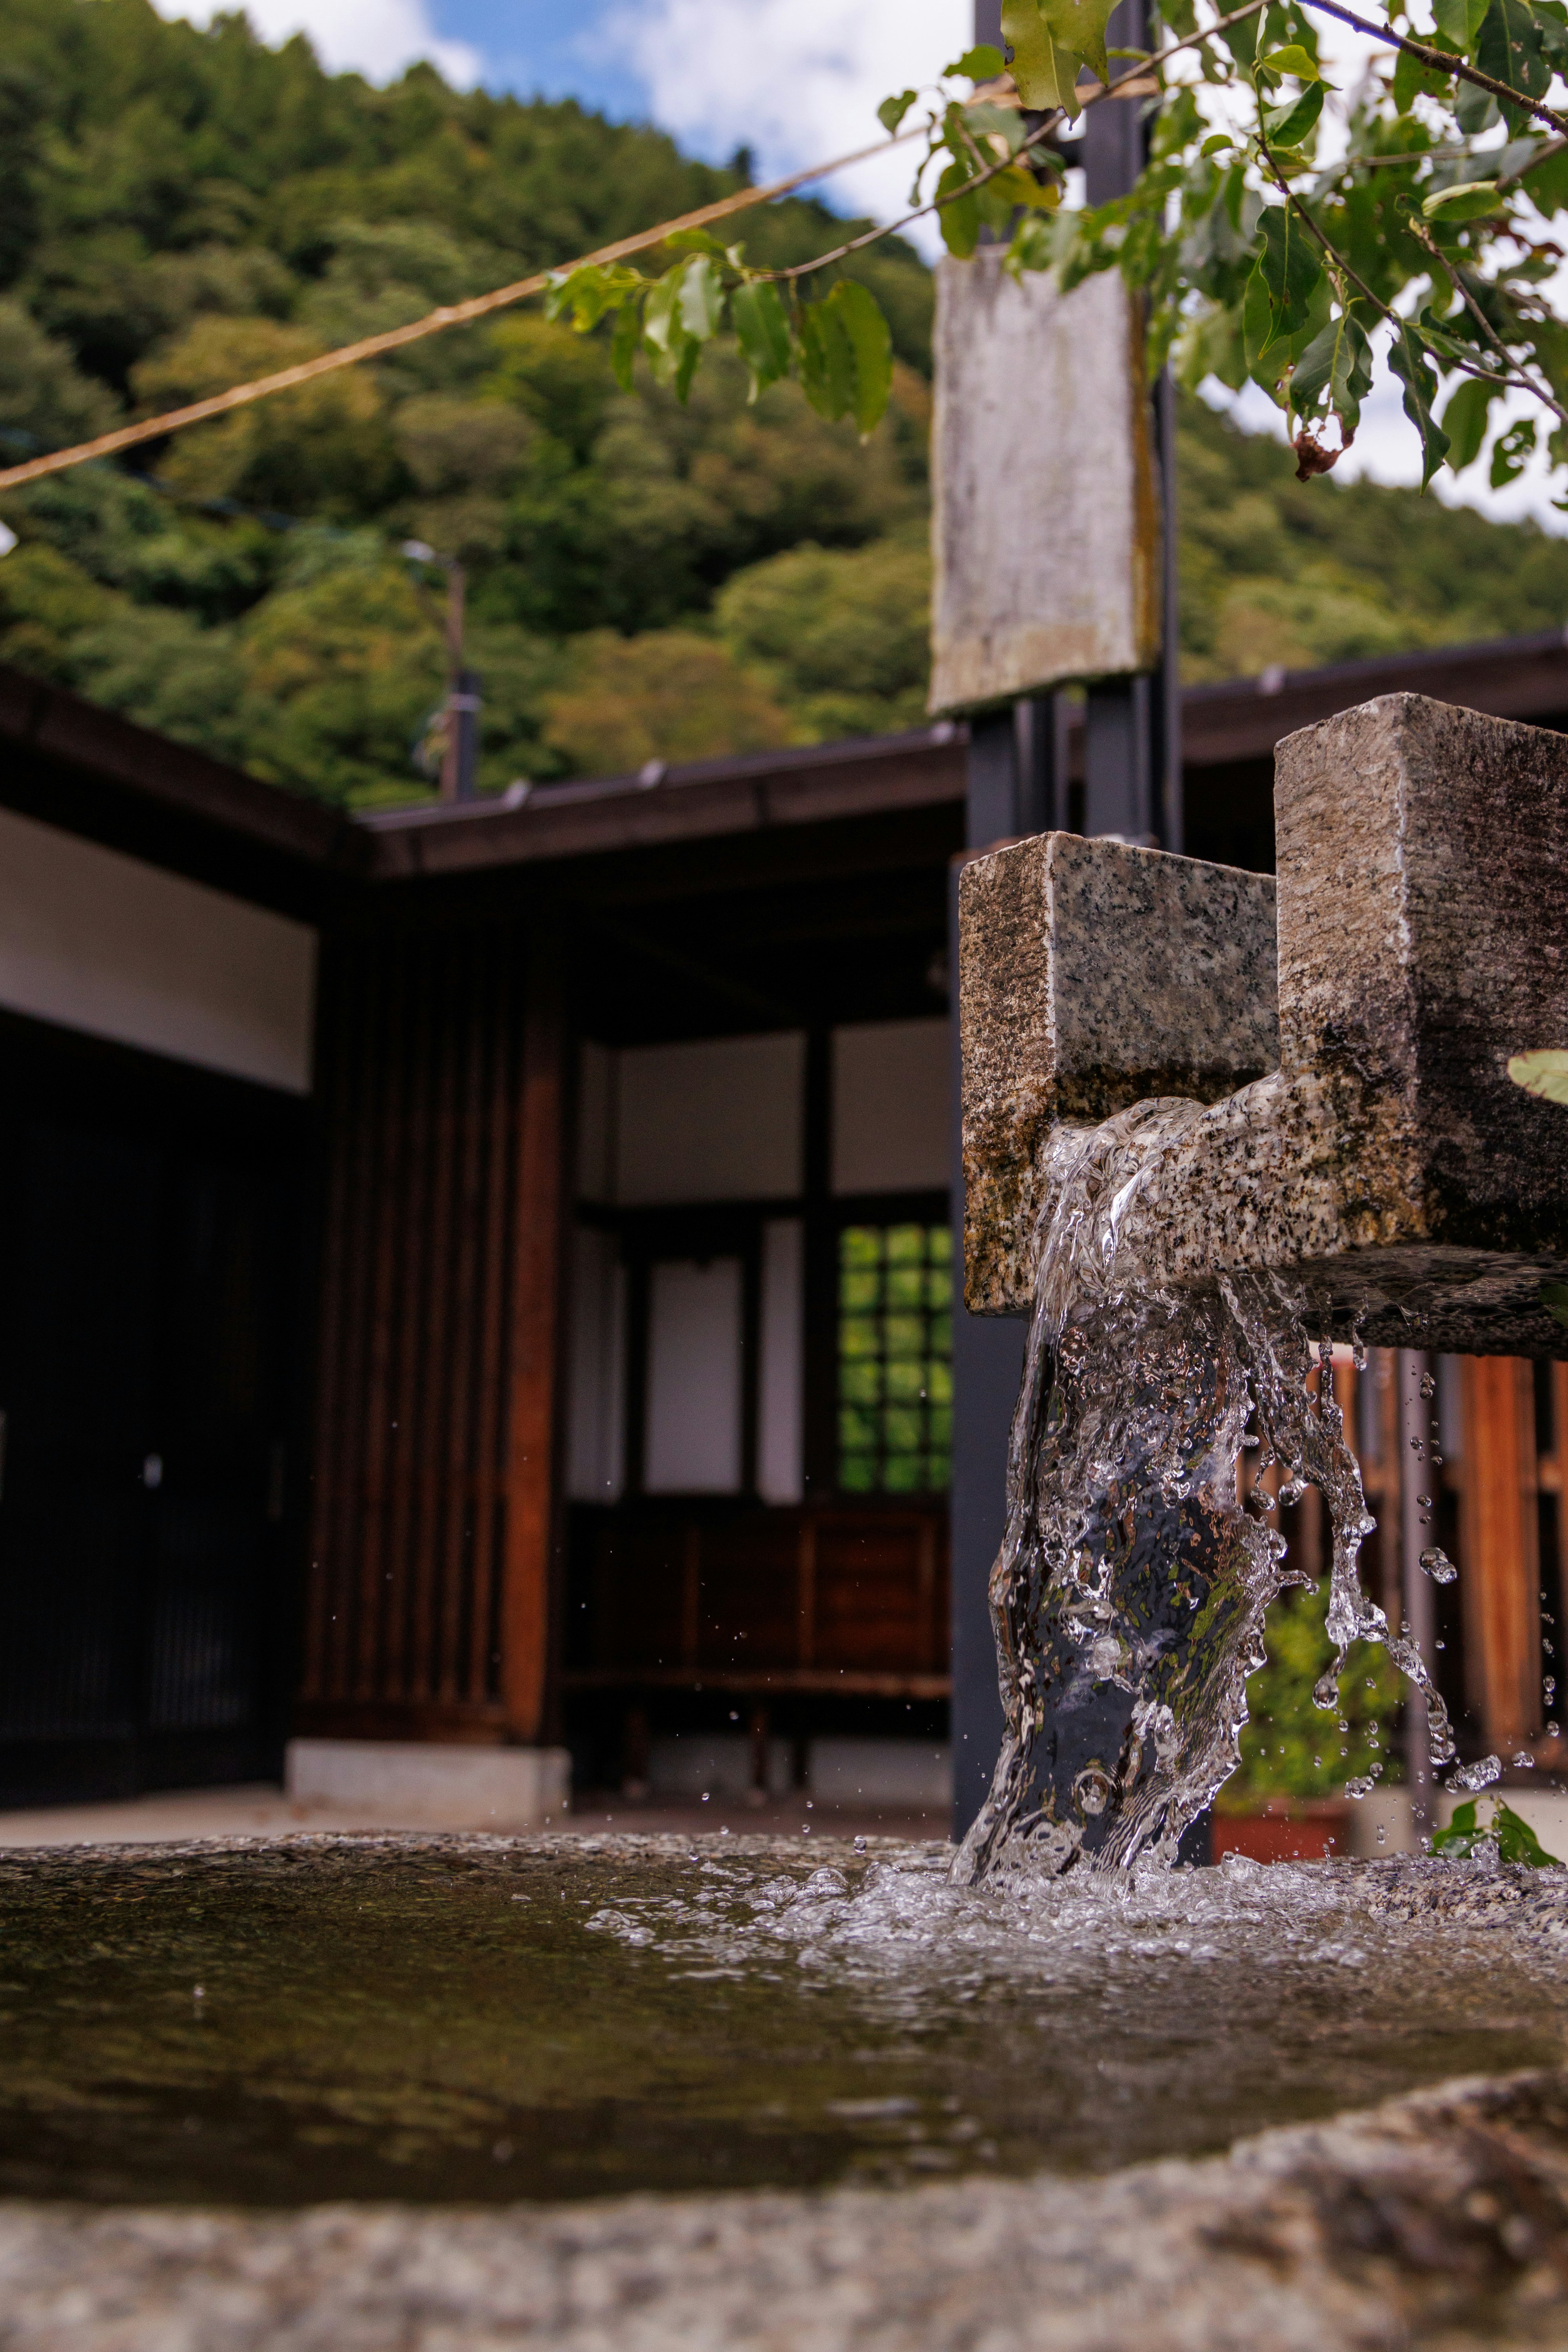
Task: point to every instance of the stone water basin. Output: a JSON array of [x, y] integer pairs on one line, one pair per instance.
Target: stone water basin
[[473, 2022]]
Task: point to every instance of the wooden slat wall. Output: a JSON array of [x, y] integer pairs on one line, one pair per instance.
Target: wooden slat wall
[[1498, 1556], [432, 1538], [823, 1598]]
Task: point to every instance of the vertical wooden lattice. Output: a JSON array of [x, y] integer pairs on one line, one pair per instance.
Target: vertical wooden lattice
[[426, 1553]]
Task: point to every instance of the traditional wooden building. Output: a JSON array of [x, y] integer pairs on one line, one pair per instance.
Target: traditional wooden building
[[481, 1277]]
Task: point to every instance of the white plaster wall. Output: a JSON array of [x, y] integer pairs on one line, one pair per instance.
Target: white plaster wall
[[720, 1119], [101, 942], [891, 1087], [694, 1393]]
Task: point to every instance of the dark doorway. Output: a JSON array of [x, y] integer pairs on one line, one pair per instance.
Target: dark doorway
[[149, 1248]]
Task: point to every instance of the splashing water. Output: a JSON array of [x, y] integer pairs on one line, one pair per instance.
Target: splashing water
[[1128, 1593]]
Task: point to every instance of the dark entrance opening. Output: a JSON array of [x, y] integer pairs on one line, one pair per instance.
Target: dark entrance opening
[[149, 1252]]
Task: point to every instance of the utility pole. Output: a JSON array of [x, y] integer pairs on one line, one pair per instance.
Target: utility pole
[[1017, 784], [460, 738]]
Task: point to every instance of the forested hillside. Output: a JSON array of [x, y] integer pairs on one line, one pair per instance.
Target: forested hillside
[[180, 209]]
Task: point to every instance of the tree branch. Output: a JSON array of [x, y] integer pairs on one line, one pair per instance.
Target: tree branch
[[1439, 61], [1425, 237]]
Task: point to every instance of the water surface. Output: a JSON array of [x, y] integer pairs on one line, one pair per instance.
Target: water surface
[[480, 2019]]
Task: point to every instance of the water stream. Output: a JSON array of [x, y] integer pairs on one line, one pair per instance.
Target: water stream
[[1130, 1591]]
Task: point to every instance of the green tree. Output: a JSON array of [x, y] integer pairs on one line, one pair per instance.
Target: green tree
[[665, 695], [842, 636]]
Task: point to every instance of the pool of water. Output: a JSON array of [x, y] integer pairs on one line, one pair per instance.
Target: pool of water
[[483, 2019]]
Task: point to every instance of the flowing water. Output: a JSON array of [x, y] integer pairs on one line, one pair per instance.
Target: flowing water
[[1129, 1591], [478, 2020]]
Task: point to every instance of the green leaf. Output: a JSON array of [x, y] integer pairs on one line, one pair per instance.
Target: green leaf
[[846, 356], [584, 295], [1292, 59], [872, 344], [1409, 76], [959, 218], [1543, 1071], [1546, 183], [1044, 73], [1459, 21], [1517, 1840], [1554, 1298], [1465, 423], [661, 312], [1460, 1836], [1337, 362], [982, 63], [892, 110], [1510, 451], [1407, 358], [672, 352], [1242, 39], [1509, 48], [624, 343], [701, 299], [1470, 200], [696, 240], [1287, 126], [761, 329], [1078, 27], [826, 362], [1289, 267]]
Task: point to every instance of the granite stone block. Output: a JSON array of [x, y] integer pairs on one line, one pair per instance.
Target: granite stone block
[[1388, 1164]]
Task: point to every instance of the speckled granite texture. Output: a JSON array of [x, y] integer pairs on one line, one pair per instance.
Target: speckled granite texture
[[1092, 976], [1388, 1161], [1439, 2221]]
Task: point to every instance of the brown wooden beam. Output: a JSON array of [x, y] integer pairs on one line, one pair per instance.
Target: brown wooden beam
[[532, 1543], [821, 1682], [1499, 1547]]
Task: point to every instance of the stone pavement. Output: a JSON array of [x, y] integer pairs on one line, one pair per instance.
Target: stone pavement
[[263, 1811]]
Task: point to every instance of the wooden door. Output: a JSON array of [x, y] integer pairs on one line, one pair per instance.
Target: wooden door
[[147, 1288]]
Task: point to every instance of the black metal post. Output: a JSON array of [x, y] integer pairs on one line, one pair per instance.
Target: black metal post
[[987, 1350]]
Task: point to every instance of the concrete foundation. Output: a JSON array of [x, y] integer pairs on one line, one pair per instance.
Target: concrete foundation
[[418, 1784]]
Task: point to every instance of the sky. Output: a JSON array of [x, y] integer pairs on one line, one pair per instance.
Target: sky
[[797, 81]]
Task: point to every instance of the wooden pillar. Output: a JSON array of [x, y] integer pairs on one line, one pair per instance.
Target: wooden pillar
[[1499, 1550], [538, 1248]]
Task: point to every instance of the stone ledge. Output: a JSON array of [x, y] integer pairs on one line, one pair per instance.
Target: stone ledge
[[415, 1784], [1439, 2219]]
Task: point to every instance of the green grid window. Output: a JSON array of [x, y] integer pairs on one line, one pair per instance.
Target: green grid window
[[895, 1358]]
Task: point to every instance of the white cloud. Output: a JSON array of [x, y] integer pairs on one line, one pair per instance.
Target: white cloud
[[376, 38], [798, 81]]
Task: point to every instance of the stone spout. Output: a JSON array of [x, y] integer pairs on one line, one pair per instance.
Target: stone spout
[[1350, 1031]]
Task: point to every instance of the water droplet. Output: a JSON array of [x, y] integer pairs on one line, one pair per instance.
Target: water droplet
[[1438, 1566], [1479, 1775], [1417, 1447], [1524, 1761], [1428, 1385]]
